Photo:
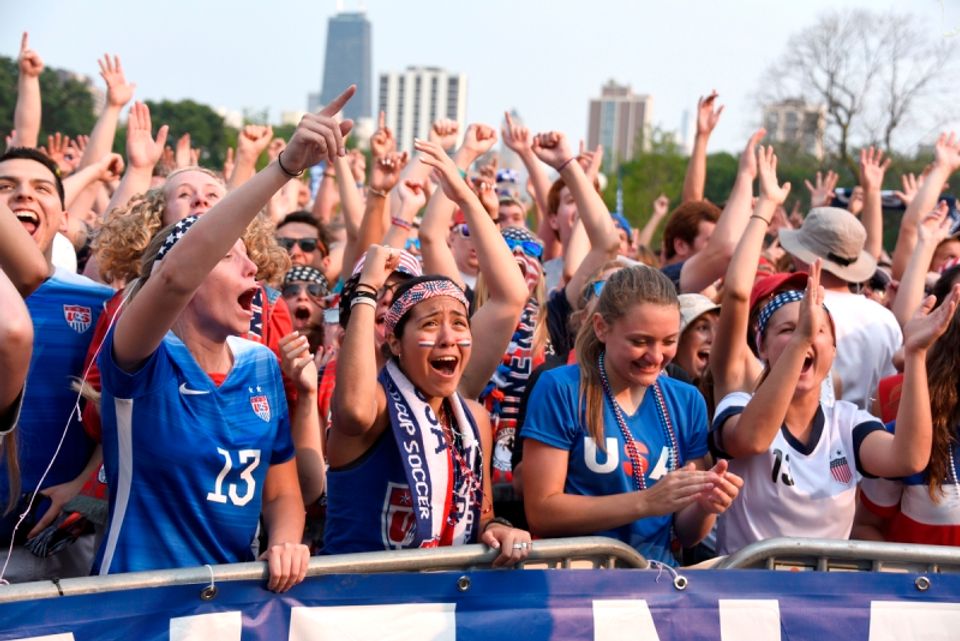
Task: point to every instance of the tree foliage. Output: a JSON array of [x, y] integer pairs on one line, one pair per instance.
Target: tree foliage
[[67, 102]]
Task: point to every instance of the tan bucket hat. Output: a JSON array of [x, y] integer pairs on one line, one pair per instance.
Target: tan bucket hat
[[836, 236]]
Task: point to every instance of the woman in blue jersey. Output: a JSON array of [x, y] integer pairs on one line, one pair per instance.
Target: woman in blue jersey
[[611, 446], [409, 456], [196, 435]]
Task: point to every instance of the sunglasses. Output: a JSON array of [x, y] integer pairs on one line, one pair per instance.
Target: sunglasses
[[306, 244], [462, 229], [531, 248], [293, 289]]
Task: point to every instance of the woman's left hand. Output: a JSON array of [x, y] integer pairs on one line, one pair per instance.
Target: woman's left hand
[[514, 544], [717, 499], [287, 563]]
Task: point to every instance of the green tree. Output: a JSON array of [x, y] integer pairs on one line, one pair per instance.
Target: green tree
[[206, 128], [67, 102]]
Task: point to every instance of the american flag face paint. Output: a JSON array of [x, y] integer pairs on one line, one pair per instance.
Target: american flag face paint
[[426, 343]]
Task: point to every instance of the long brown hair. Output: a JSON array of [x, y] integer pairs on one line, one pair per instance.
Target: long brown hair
[[625, 288], [943, 378]]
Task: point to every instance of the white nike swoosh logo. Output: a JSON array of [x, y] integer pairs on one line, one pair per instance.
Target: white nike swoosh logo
[[191, 392]]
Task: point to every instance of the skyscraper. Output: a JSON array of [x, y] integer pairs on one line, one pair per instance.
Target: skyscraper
[[619, 120], [413, 99], [347, 61]]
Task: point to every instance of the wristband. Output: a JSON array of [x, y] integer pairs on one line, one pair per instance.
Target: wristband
[[376, 192], [284, 169], [400, 222], [497, 520], [370, 288], [363, 300], [760, 218], [363, 293], [565, 163]]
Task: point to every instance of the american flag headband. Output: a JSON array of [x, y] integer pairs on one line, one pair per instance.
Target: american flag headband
[[778, 301], [419, 293], [175, 234]]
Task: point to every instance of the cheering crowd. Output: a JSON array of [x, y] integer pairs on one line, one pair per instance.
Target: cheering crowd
[[208, 366]]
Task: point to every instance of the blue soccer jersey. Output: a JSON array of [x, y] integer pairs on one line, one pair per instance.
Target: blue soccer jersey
[[64, 310], [554, 418], [186, 460]]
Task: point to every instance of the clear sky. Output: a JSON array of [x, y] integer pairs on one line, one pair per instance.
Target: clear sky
[[545, 58]]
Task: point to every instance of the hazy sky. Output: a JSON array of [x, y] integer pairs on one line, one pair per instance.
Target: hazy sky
[[544, 58]]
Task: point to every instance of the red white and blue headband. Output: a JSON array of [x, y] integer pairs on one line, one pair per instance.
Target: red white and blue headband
[[419, 293], [174, 235]]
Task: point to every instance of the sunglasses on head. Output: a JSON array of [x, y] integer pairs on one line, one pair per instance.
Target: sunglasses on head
[[305, 244], [294, 289], [530, 248]]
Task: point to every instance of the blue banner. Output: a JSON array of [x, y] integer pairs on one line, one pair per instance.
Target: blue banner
[[580, 605]]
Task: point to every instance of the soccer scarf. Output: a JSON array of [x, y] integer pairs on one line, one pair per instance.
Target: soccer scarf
[[446, 507]]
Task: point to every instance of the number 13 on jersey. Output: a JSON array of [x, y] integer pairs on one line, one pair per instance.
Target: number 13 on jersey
[[249, 457]]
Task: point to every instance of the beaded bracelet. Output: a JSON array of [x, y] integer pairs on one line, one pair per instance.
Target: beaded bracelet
[[285, 170], [400, 222]]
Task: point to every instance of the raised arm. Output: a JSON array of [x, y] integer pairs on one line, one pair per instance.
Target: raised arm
[[753, 431], [413, 197], [119, 93], [517, 138], [946, 160], [696, 176], [16, 342], [706, 266], [106, 169], [373, 228], [872, 169], [434, 228], [730, 357], [26, 116], [552, 149], [251, 142], [931, 231], [153, 311], [143, 154], [908, 450], [444, 132], [494, 323], [661, 207], [298, 366]]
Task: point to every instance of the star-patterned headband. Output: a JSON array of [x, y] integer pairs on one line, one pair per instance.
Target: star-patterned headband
[[778, 301], [174, 235], [419, 293], [305, 274]]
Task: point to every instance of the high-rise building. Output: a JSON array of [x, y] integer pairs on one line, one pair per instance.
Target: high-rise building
[[619, 120], [413, 99], [347, 61], [795, 121]]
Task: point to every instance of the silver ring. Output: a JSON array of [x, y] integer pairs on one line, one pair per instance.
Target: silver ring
[[519, 546]]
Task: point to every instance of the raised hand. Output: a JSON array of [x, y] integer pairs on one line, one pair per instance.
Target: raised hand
[[319, 136], [56, 150], [444, 133], [229, 163], [935, 226], [143, 150], [274, 148], [515, 136], [872, 168], [446, 172], [358, 166], [947, 151], [119, 92], [551, 147], [484, 187], [111, 167], [707, 116], [928, 324], [767, 170], [821, 193], [911, 185], [378, 264], [479, 139], [182, 155], [413, 197], [386, 171], [590, 161], [721, 496], [297, 363], [661, 206], [855, 205], [748, 159], [812, 315], [30, 63], [253, 140], [382, 142]]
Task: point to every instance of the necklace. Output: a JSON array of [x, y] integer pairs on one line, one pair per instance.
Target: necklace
[[665, 424], [465, 481], [953, 473]]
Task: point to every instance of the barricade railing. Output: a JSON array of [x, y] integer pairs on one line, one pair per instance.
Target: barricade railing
[[832, 555], [579, 552]]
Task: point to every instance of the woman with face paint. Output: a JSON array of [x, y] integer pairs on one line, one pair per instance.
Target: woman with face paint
[[801, 459], [409, 453], [191, 492]]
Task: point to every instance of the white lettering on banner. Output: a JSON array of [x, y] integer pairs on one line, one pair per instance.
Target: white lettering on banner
[[903, 620], [219, 626], [749, 619], [590, 455], [67, 636], [623, 620], [397, 622]]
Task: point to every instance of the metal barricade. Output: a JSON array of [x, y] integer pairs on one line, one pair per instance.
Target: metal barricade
[[831, 555], [580, 552]]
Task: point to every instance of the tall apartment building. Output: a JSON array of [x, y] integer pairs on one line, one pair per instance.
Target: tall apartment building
[[413, 99], [795, 121], [619, 120], [347, 61]]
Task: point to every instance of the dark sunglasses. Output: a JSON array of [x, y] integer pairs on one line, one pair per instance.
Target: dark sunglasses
[[305, 244], [293, 289], [530, 248]]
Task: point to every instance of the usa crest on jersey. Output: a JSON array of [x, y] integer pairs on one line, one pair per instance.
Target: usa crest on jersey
[[78, 317], [261, 407]]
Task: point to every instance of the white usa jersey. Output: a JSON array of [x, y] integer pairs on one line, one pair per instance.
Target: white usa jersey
[[186, 460], [794, 489]]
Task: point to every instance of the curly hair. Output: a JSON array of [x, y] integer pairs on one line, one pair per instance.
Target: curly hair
[[125, 234], [271, 259]]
